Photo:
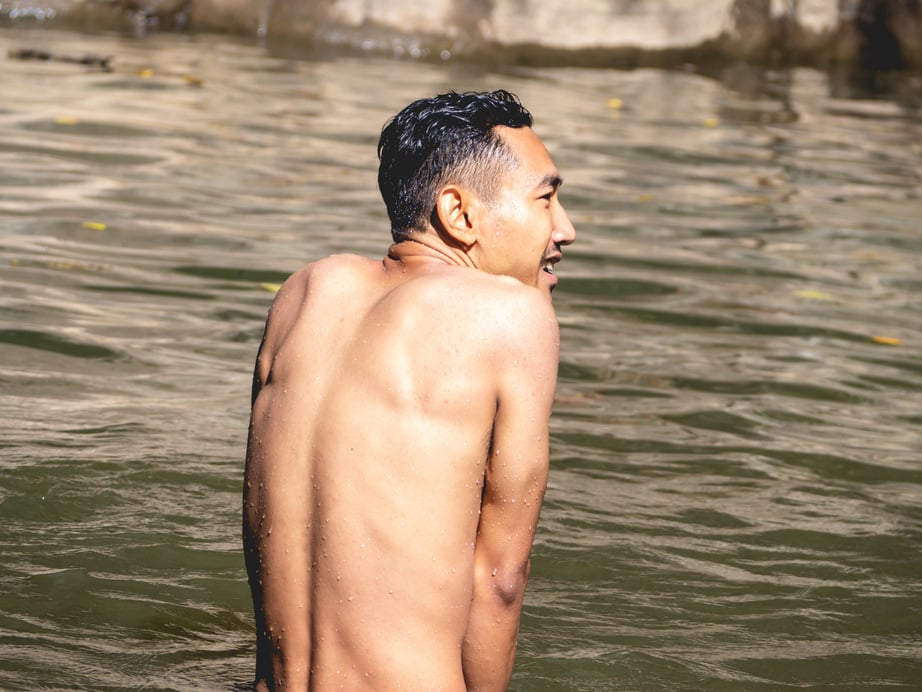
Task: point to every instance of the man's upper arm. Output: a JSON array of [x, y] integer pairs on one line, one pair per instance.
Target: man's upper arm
[[516, 472]]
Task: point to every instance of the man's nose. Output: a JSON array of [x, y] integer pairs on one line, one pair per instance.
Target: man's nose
[[564, 232]]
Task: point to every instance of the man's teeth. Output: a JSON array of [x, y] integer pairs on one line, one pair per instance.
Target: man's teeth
[[548, 267]]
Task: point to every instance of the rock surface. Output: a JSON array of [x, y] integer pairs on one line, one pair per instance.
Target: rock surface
[[876, 34]]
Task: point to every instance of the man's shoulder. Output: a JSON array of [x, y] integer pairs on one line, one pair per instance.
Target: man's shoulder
[[520, 333], [512, 303], [332, 264], [503, 310], [315, 278], [333, 268]]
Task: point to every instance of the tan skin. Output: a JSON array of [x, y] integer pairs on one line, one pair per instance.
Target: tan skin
[[398, 447]]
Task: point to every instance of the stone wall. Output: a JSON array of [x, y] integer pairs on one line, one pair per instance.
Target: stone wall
[[881, 34]]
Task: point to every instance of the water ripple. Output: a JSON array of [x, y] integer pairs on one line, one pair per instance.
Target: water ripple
[[735, 493]]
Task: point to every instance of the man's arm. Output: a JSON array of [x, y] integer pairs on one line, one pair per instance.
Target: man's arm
[[514, 484], [275, 543], [275, 514]]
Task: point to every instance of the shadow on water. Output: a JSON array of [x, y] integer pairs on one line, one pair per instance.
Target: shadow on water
[[55, 344]]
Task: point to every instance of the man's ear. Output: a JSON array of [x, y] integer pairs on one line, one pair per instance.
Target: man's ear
[[458, 211]]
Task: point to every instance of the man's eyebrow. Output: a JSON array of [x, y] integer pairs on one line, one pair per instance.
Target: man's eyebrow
[[550, 180]]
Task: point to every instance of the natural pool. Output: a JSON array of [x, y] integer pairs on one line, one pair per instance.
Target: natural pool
[[736, 491]]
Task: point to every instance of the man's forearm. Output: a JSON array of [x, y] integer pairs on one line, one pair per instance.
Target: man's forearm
[[490, 643]]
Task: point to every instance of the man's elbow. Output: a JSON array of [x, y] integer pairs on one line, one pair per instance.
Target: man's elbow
[[508, 585]]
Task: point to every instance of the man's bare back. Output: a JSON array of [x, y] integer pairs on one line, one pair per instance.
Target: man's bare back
[[396, 465]]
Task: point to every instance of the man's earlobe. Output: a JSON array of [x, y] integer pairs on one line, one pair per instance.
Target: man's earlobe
[[456, 210]]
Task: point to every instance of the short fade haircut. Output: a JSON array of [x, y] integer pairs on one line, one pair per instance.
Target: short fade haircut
[[450, 138]]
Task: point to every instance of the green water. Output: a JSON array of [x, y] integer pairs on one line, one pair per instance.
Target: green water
[[735, 500]]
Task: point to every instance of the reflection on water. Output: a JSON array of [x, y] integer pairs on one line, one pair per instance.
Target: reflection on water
[[736, 490]]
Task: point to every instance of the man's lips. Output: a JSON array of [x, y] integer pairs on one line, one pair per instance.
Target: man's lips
[[548, 264], [547, 267]]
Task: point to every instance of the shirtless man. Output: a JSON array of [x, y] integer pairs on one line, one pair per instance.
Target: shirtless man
[[398, 444]]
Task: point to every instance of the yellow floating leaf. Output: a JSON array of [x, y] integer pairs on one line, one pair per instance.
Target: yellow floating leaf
[[710, 122], [146, 73], [814, 295], [887, 340], [615, 103], [65, 120], [192, 80], [94, 225], [742, 199], [272, 288], [645, 198], [869, 255]]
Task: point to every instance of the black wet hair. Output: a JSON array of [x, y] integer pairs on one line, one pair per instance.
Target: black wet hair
[[433, 142]]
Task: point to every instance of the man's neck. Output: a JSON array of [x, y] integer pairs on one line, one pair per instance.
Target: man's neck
[[427, 247]]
